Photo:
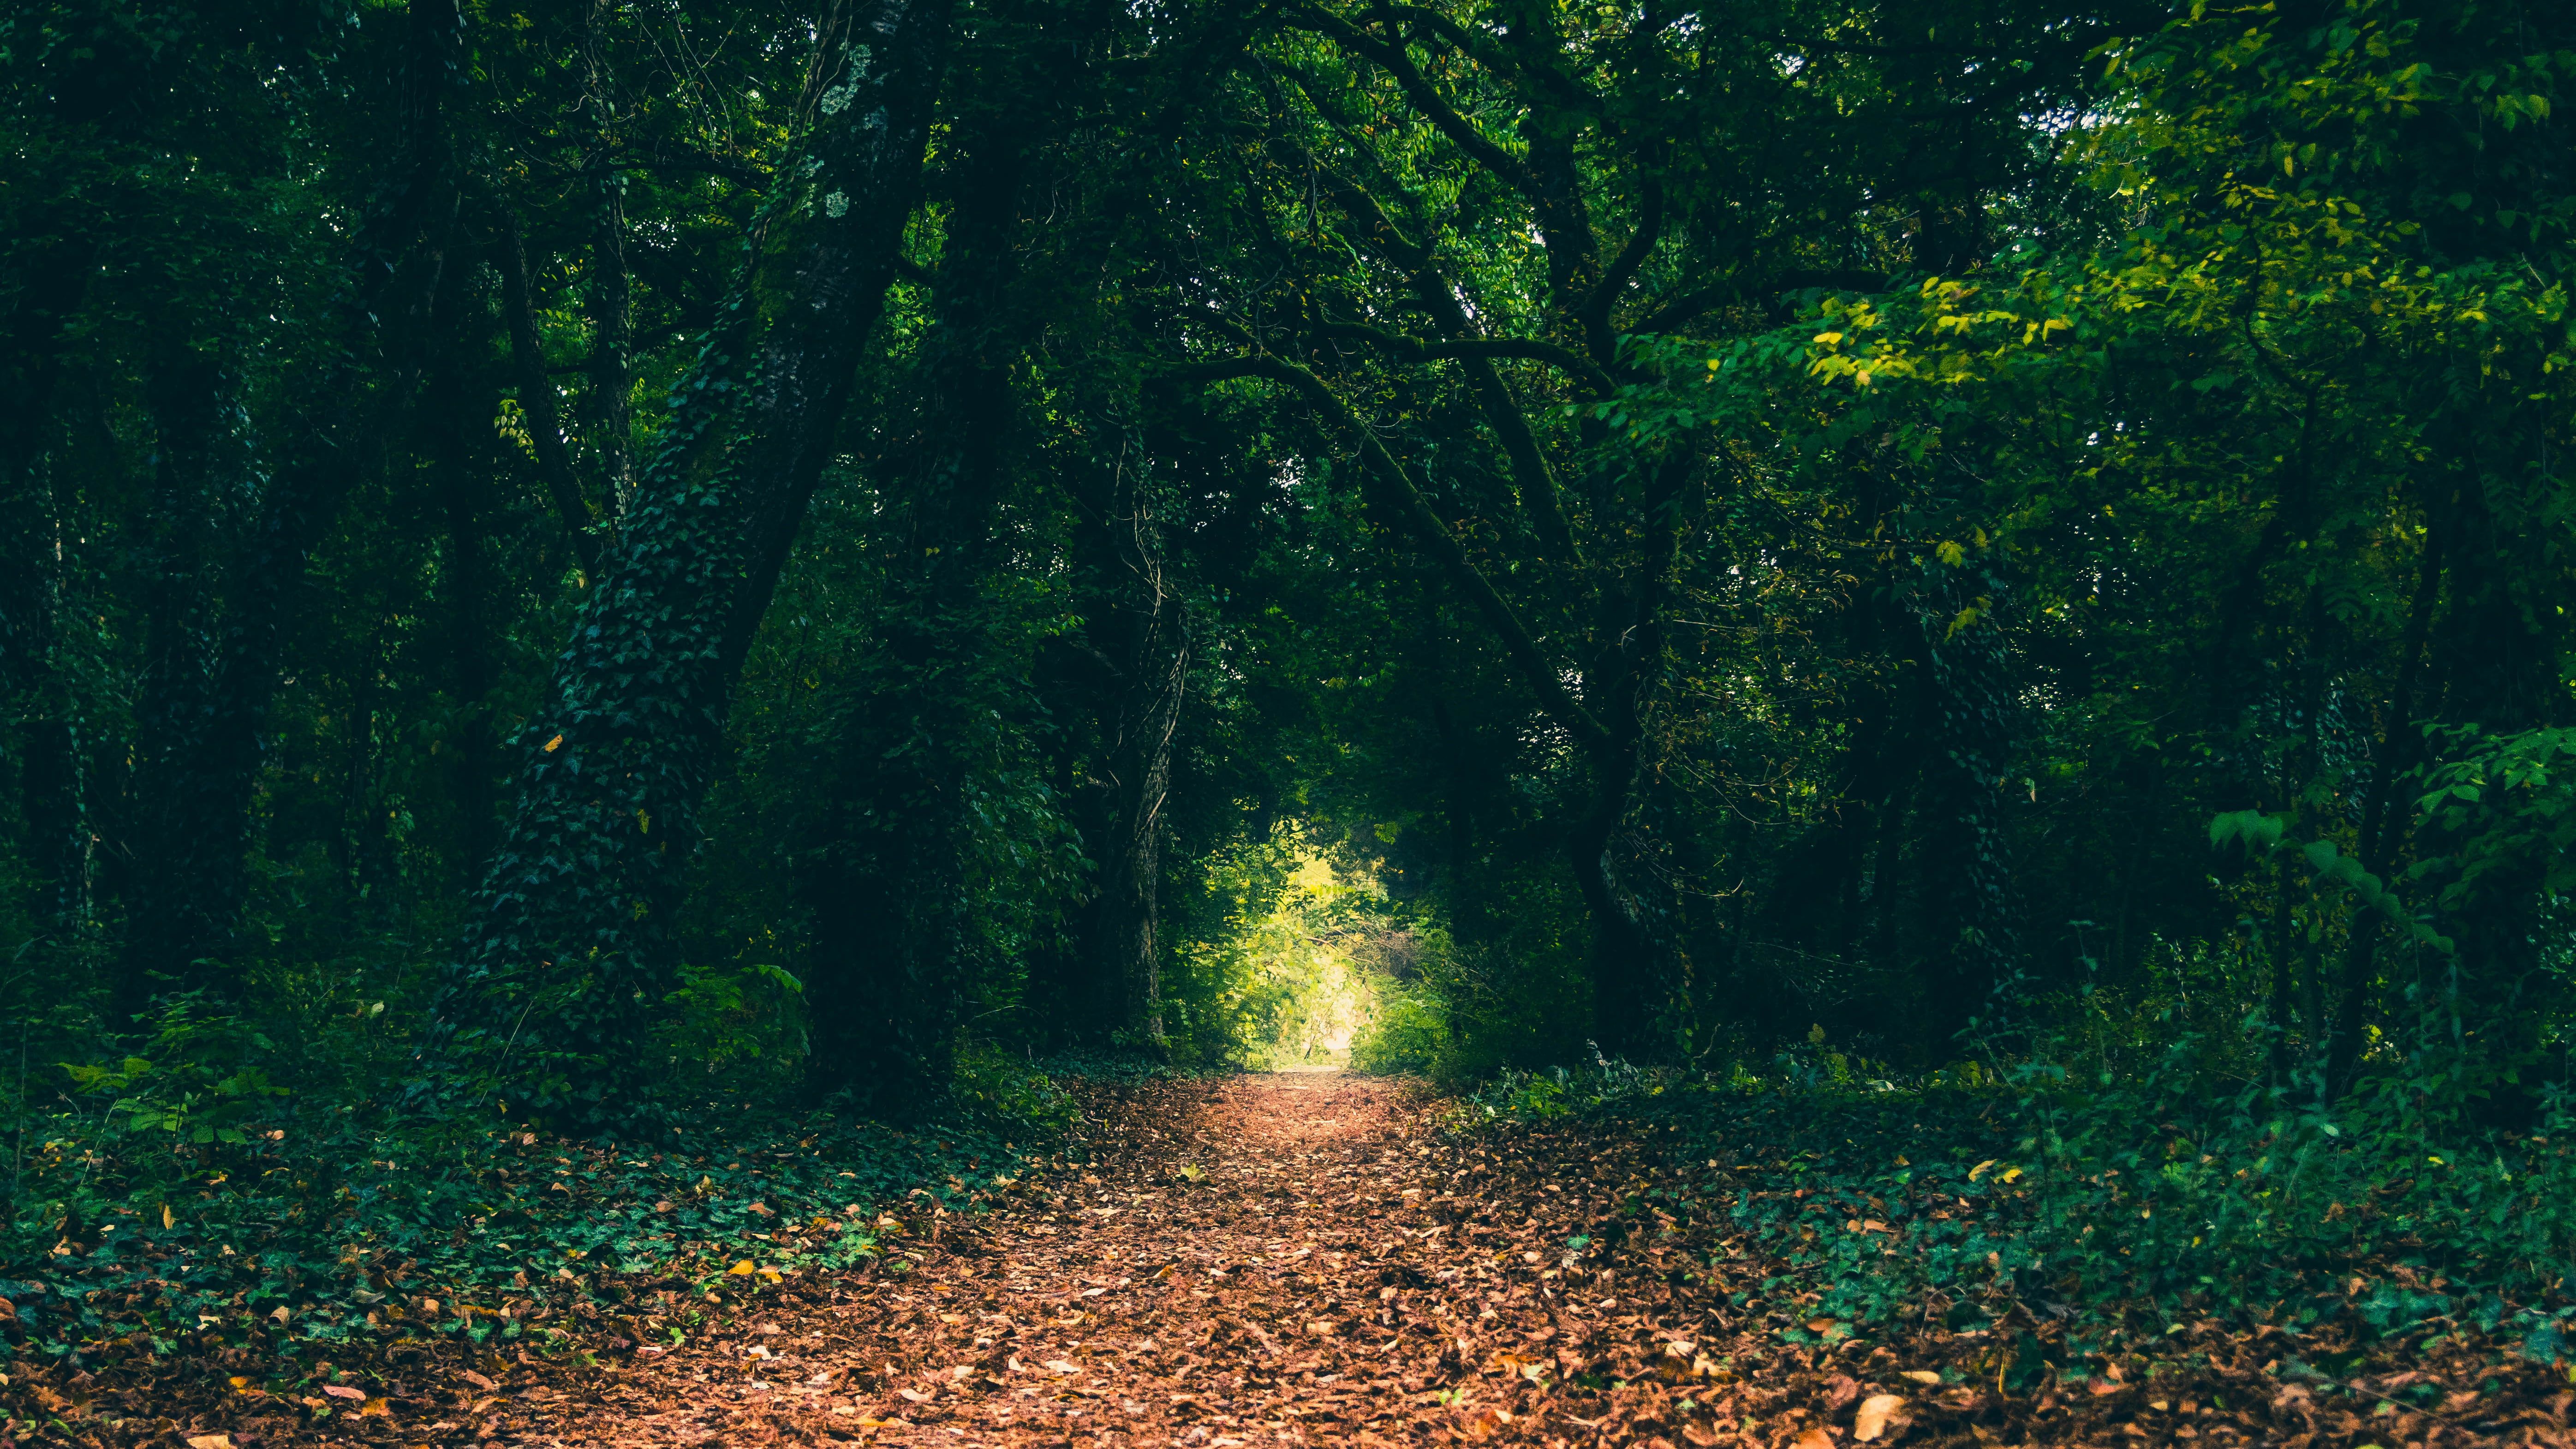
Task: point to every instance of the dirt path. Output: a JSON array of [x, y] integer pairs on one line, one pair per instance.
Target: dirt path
[[1303, 1260], [1256, 1261]]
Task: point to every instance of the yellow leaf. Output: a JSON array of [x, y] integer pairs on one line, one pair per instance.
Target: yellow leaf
[[1877, 1412], [2011, 1172], [374, 1407], [743, 1269], [167, 1221], [552, 743], [1921, 1376], [1979, 1170], [239, 1381]]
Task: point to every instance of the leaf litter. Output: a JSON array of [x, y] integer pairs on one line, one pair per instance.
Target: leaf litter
[[1317, 1259]]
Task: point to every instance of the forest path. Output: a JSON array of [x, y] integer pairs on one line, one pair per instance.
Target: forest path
[[1251, 1261]]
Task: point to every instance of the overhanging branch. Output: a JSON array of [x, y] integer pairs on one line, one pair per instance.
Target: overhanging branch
[[1433, 532]]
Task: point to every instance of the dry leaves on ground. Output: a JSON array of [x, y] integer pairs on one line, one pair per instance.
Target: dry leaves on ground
[[1304, 1259]]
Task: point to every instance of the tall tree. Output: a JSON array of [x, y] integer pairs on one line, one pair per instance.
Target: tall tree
[[570, 949]]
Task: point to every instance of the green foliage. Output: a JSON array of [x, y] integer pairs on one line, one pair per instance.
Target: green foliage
[[1015, 1095], [2130, 1201], [1408, 1036], [316, 1232]]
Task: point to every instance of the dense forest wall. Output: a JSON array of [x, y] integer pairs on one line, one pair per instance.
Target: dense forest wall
[[584, 555]]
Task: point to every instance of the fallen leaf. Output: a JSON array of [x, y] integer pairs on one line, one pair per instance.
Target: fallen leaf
[[1877, 1412], [480, 1382], [1814, 1438], [210, 1441], [374, 1408], [1059, 1366], [1921, 1376], [743, 1269], [343, 1391]]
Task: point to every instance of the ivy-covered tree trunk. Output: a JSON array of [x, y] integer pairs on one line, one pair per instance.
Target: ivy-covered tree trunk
[[569, 953]]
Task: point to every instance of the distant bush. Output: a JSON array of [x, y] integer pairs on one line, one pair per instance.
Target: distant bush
[[1408, 1034]]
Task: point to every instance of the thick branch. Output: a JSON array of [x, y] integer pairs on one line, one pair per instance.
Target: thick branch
[[1501, 409], [1444, 118], [1595, 313], [1434, 533], [1559, 87], [1414, 349]]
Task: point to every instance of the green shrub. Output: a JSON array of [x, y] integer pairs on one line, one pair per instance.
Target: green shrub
[[1406, 1036]]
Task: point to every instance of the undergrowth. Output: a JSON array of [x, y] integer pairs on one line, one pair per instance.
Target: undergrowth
[[2137, 1202], [176, 1206]]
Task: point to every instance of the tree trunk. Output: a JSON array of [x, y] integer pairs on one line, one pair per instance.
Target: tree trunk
[[1146, 636], [1976, 945], [570, 952], [452, 405], [2383, 821], [33, 693], [612, 308], [210, 680], [1631, 960], [188, 838], [893, 953]]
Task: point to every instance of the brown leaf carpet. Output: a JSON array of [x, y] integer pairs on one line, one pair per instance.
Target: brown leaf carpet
[[1305, 1260]]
